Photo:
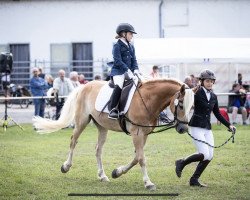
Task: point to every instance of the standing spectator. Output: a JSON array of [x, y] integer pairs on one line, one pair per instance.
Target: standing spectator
[[74, 78], [188, 81], [236, 103], [247, 104], [40, 73], [82, 79], [49, 80], [155, 72], [38, 88], [62, 87], [194, 80]]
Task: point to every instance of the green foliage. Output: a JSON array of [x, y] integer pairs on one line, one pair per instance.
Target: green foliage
[[30, 165]]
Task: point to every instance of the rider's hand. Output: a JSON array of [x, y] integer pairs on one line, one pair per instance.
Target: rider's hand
[[130, 73], [138, 73]]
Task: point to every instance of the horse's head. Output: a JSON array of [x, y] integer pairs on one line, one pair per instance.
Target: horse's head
[[180, 105]]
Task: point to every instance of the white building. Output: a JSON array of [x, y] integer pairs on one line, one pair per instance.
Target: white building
[[79, 34]]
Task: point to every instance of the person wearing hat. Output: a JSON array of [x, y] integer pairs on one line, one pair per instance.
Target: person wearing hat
[[124, 62], [205, 101]]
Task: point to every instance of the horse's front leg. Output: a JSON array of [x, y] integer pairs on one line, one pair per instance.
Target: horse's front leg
[[139, 141], [101, 140]]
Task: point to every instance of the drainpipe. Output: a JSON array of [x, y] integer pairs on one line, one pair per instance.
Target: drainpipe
[[160, 19]]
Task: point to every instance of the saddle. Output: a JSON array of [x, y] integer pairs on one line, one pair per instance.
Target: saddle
[[104, 95]]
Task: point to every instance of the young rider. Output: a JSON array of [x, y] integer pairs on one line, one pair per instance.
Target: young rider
[[124, 62], [205, 102]]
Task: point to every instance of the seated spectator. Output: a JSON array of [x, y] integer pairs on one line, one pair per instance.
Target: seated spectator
[[81, 79], [188, 81], [98, 78], [247, 104], [74, 78], [240, 78], [236, 103], [155, 72]]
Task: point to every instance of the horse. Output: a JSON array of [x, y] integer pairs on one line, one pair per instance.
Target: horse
[[148, 101]]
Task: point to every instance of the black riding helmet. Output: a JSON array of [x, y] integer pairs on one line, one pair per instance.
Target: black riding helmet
[[207, 74], [125, 27]]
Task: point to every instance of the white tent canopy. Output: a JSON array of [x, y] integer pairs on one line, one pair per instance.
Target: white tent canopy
[[235, 49]]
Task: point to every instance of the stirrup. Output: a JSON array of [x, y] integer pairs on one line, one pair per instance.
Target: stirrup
[[113, 111]]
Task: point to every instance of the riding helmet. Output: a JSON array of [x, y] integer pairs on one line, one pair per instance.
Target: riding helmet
[[125, 27], [207, 74]]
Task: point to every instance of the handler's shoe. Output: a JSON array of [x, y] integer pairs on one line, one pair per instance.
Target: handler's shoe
[[195, 182], [179, 165]]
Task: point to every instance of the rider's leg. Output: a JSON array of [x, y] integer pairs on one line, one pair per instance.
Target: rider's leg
[[115, 97]]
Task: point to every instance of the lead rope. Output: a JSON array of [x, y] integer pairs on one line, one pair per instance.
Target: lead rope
[[202, 141]]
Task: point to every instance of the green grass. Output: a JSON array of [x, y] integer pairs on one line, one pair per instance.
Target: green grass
[[30, 165]]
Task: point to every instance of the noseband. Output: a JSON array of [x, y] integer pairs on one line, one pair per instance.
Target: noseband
[[178, 103]]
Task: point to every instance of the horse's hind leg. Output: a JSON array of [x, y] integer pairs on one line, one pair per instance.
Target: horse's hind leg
[[101, 140], [80, 124]]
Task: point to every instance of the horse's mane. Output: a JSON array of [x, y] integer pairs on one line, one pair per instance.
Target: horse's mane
[[163, 80]]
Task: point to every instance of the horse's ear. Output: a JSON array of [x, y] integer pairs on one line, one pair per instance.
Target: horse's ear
[[182, 90]]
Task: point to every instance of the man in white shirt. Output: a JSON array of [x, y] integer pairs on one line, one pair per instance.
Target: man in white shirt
[[62, 87]]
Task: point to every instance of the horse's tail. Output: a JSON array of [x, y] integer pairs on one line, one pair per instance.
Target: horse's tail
[[66, 118]]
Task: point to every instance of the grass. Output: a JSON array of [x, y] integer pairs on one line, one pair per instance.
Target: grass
[[30, 165]]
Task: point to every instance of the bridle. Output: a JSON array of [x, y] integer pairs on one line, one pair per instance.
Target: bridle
[[170, 124], [178, 103]]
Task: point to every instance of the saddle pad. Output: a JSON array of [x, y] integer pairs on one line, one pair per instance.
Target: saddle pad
[[105, 94]]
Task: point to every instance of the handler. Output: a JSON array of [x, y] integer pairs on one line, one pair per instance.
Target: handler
[[205, 101], [124, 61]]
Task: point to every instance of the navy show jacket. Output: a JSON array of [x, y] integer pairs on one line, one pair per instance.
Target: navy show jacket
[[203, 109], [124, 58]]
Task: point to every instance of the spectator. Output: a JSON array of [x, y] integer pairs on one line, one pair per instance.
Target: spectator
[[38, 88], [5, 82], [236, 103], [247, 104], [98, 78], [82, 79], [188, 81], [40, 73], [155, 72], [195, 80], [240, 78], [62, 87], [49, 80], [74, 78]]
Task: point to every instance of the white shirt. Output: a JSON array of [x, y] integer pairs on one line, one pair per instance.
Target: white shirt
[[207, 92], [64, 87]]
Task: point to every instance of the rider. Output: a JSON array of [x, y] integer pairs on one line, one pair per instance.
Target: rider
[[205, 102], [124, 61]]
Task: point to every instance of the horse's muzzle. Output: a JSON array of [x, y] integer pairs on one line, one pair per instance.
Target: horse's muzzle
[[181, 128]]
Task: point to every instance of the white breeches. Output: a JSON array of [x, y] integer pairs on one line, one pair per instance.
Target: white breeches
[[205, 135], [119, 80]]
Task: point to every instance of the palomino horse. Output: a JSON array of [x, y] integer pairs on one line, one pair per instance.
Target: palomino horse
[[148, 101]]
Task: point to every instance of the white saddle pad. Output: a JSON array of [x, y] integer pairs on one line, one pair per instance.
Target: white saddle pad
[[105, 94]]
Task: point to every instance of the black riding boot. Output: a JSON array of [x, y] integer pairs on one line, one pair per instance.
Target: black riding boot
[[199, 169], [114, 101], [180, 164]]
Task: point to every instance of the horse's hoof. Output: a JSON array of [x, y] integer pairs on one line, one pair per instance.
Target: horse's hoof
[[63, 170], [151, 187], [104, 179], [114, 174]]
